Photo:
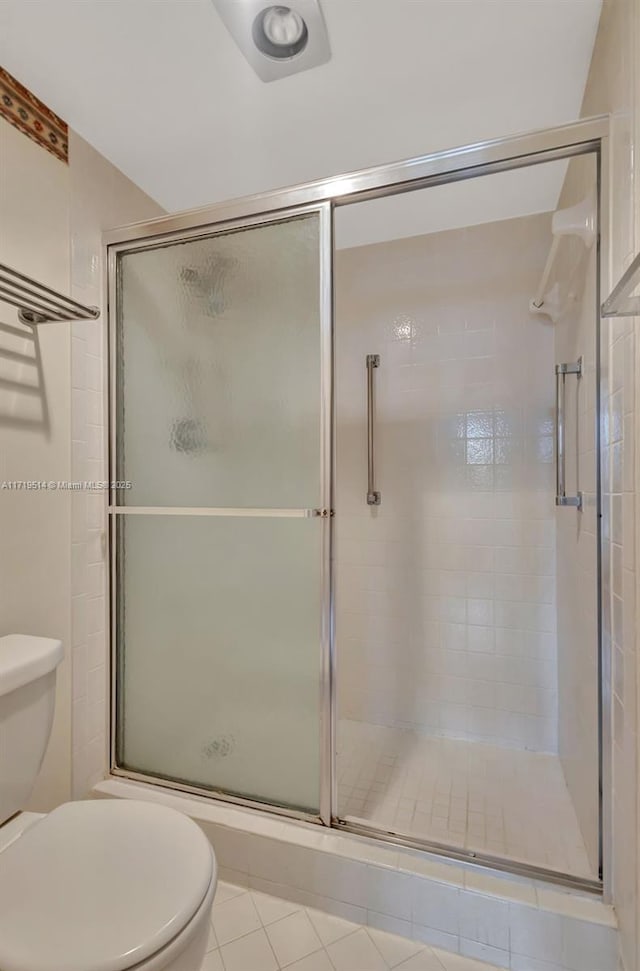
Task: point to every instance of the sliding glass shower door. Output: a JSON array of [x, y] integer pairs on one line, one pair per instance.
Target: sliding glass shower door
[[219, 354], [467, 595]]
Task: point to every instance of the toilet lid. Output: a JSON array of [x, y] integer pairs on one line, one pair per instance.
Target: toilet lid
[[100, 886]]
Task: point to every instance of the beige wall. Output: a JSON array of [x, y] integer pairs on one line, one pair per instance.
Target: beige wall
[[445, 595], [51, 219], [613, 87], [34, 428], [101, 198]]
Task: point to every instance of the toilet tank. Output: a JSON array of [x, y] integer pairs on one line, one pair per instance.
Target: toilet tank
[[27, 700]]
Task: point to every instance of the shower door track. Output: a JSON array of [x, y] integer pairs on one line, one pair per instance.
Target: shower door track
[[589, 136]]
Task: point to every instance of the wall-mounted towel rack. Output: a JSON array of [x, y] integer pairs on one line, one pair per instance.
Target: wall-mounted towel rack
[[38, 304], [621, 302]]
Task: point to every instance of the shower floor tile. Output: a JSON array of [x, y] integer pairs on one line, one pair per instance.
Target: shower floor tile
[[300, 938], [502, 802]]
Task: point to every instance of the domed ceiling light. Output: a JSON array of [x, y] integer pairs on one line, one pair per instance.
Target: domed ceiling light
[[277, 39]]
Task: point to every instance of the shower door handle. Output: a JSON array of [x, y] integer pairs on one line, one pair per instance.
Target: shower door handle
[[562, 499], [373, 496]]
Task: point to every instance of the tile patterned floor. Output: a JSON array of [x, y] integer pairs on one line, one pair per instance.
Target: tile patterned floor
[[481, 797], [252, 931]]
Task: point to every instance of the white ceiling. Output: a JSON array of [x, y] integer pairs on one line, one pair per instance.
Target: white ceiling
[[159, 87]]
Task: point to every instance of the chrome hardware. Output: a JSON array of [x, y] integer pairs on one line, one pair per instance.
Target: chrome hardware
[[570, 500], [37, 303], [241, 512], [373, 496], [562, 499]]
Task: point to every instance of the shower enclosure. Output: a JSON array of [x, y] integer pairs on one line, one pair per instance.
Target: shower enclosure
[[351, 578]]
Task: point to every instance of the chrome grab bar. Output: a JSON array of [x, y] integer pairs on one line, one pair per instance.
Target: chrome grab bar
[[373, 496], [562, 499]]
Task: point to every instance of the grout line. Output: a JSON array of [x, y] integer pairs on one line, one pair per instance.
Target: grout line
[[310, 954], [275, 957]]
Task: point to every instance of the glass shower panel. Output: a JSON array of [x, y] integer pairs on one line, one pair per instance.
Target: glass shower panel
[[219, 653], [219, 542], [466, 603], [218, 369]]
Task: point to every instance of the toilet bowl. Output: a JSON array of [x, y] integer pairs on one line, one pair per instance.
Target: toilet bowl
[[104, 885], [107, 885]]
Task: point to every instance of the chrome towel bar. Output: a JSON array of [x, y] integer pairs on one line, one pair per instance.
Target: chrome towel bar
[[37, 303], [373, 496], [562, 499]]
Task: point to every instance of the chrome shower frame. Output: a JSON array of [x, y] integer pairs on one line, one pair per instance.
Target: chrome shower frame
[[590, 136]]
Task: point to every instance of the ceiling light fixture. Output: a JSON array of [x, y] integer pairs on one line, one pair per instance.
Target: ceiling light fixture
[[277, 39], [280, 32]]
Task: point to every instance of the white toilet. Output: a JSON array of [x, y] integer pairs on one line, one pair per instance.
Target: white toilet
[[103, 885]]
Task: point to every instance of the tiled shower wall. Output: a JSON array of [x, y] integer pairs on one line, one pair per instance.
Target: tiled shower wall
[[445, 594], [101, 198], [612, 87]]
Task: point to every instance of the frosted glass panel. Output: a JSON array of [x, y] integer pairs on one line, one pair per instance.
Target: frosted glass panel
[[218, 367], [219, 653]]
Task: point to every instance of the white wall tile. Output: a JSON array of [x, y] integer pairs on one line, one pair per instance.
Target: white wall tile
[[536, 934], [485, 920], [100, 197], [484, 952], [588, 947], [458, 549], [436, 906], [390, 892], [612, 88]]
